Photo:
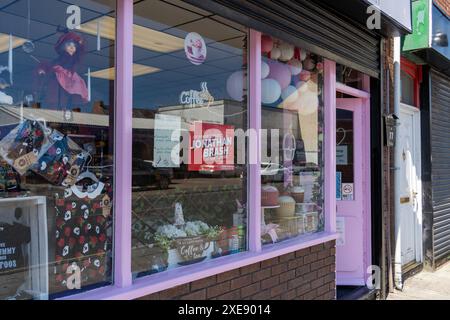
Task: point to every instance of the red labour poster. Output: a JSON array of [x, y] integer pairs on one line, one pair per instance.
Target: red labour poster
[[211, 147]]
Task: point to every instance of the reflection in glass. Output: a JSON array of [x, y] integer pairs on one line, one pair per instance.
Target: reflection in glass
[[407, 84], [344, 152], [292, 119], [56, 148], [189, 187]]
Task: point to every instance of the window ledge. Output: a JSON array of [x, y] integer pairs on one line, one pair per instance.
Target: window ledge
[[169, 279]]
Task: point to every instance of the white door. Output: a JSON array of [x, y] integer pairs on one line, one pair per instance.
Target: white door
[[410, 202]]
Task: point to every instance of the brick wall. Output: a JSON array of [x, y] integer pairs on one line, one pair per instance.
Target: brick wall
[[444, 5], [308, 274]]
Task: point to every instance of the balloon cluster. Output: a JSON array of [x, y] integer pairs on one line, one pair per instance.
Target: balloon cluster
[[286, 72]]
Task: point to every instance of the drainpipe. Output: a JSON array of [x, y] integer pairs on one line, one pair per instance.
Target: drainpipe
[[397, 163]]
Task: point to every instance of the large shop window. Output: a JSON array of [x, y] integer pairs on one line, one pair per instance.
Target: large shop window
[[56, 147], [190, 107], [292, 141]]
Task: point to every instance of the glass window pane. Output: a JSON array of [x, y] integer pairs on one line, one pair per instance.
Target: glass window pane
[[189, 174], [292, 159], [344, 151], [349, 76], [56, 147], [407, 84]]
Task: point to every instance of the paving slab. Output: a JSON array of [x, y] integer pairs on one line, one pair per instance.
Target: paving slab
[[426, 285]]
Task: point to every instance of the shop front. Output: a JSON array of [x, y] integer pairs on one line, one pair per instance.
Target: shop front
[[161, 150], [427, 51]]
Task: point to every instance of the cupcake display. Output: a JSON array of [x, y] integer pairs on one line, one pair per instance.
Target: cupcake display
[[269, 196], [298, 193], [287, 207]]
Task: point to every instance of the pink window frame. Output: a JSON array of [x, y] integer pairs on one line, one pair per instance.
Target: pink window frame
[[123, 287]]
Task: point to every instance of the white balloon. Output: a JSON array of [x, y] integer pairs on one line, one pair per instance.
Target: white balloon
[[303, 54], [305, 75], [270, 91], [275, 54], [302, 86], [236, 85], [265, 70], [308, 103], [287, 51], [289, 95], [309, 64], [295, 66]]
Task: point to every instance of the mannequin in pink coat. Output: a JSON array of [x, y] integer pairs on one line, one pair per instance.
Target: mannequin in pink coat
[[57, 85]]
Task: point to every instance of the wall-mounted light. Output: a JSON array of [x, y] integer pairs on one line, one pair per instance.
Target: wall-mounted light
[[440, 39]]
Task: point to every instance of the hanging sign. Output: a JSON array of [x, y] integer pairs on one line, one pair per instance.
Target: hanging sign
[[195, 48], [212, 147], [398, 11]]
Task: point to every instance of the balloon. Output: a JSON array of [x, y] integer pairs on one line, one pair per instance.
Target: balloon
[[266, 44], [289, 95], [275, 54], [308, 103], [303, 54], [270, 91], [308, 100], [281, 73], [287, 51], [313, 86], [305, 75], [291, 106], [319, 67], [295, 66], [265, 70], [236, 86], [309, 64], [302, 86]]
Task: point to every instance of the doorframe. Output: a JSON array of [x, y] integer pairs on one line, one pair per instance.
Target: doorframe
[[365, 95], [415, 113]]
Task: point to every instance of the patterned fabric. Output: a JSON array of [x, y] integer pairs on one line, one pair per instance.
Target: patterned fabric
[[9, 178], [62, 162], [25, 144], [83, 233]]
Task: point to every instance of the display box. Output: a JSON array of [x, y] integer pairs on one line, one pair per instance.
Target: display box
[[30, 215]]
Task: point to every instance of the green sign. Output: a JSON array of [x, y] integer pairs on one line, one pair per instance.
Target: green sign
[[420, 38]]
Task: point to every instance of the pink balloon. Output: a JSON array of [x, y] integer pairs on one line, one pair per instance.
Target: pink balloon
[[305, 75], [266, 43], [281, 73]]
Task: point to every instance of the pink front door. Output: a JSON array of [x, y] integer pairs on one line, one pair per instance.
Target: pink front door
[[350, 249]]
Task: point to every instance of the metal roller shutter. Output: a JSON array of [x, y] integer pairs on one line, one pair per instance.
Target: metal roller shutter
[[440, 150], [307, 24]]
